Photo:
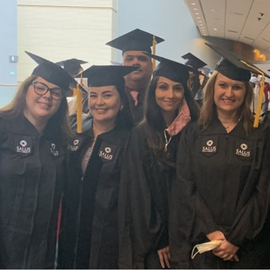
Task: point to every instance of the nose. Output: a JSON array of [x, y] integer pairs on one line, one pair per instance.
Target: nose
[[229, 92], [47, 94], [136, 65], [170, 93], [99, 100], [136, 62]]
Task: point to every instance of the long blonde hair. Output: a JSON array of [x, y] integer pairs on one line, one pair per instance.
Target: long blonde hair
[[209, 108], [18, 104]]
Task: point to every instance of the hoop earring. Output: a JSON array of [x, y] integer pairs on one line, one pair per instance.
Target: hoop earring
[[121, 108]]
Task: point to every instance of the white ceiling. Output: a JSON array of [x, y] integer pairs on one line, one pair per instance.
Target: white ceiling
[[247, 21]]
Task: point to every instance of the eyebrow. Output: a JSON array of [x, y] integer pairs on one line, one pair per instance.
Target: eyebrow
[[105, 91], [177, 84], [135, 55], [238, 83]]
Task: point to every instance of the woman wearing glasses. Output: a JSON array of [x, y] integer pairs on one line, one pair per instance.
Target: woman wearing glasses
[[33, 131]]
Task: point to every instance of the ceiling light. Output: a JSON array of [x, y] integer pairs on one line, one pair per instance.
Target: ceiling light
[[195, 9], [215, 29], [198, 17], [197, 13], [193, 4]]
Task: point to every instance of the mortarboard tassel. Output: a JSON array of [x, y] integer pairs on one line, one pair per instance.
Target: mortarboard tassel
[[79, 108]]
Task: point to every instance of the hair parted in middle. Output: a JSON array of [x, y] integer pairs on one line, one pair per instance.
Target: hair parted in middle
[[156, 123], [208, 109]]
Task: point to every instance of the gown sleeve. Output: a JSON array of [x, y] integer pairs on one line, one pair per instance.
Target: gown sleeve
[[251, 218], [139, 223]]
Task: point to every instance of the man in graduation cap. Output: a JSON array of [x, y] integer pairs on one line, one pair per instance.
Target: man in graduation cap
[[132, 46], [195, 82]]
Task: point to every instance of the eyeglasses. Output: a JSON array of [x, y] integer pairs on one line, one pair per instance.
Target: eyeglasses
[[41, 89]]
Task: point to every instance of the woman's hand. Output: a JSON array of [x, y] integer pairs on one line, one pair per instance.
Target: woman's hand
[[216, 235], [164, 257], [226, 251]]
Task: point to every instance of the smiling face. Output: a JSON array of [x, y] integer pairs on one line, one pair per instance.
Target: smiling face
[[138, 59], [228, 94], [40, 108], [169, 95], [104, 103]]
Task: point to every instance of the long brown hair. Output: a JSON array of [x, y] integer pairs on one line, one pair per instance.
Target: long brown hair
[[156, 123], [209, 108], [16, 107]]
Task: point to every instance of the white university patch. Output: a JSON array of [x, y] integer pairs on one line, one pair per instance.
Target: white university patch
[[106, 153], [74, 146], [23, 148], [54, 152], [243, 152], [209, 147]]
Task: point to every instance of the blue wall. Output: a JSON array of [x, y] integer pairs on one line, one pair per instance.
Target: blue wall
[[8, 48], [169, 19]]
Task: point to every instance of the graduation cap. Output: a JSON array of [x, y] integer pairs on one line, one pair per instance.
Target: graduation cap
[[193, 61], [106, 75], [234, 66], [170, 69], [51, 72], [136, 40], [72, 66]]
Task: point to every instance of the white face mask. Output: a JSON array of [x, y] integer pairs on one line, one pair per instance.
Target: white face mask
[[201, 248], [253, 79]]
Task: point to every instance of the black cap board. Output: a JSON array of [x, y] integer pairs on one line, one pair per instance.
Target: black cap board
[[51, 72], [136, 40], [170, 69], [193, 61], [234, 66], [106, 75], [72, 66]]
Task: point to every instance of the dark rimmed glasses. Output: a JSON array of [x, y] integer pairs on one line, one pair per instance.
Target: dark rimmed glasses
[[41, 89]]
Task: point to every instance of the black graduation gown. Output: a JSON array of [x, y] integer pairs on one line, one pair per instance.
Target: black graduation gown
[[32, 172], [222, 184], [143, 203], [89, 233], [137, 111]]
